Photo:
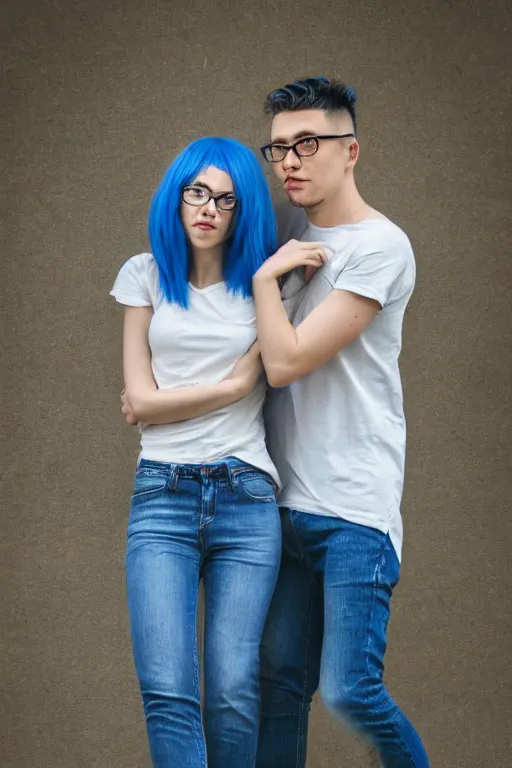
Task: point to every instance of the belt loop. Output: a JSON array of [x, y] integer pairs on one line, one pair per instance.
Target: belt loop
[[229, 476], [173, 477]]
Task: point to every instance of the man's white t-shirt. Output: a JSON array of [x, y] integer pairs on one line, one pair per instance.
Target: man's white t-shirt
[[337, 435], [194, 346]]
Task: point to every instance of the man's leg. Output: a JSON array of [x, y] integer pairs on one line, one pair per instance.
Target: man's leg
[[360, 570], [290, 658]]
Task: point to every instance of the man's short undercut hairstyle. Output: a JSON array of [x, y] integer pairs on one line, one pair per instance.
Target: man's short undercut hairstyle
[[313, 93]]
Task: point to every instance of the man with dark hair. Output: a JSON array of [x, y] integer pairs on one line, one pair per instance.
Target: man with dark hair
[[330, 343]]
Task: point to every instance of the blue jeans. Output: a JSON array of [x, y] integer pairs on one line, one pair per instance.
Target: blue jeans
[[218, 522], [327, 627]]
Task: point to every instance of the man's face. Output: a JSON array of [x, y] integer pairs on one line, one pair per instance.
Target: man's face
[[311, 180]]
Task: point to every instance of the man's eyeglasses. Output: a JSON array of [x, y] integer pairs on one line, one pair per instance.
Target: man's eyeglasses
[[198, 196], [276, 153]]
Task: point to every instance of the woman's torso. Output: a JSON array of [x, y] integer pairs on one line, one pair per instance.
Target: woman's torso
[[199, 346]]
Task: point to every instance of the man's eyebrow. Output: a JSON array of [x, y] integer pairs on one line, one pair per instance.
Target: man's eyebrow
[[296, 137], [205, 186]]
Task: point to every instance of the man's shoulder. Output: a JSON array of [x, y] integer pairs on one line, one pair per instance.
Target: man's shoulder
[[381, 238]]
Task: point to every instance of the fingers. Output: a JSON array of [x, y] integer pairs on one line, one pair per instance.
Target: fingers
[[314, 260]]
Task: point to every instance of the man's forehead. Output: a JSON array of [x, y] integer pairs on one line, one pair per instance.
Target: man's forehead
[[289, 126]]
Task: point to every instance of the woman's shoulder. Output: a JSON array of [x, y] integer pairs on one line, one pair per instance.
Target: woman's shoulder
[[137, 281]]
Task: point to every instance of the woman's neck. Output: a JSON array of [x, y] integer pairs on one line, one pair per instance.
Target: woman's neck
[[206, 268]]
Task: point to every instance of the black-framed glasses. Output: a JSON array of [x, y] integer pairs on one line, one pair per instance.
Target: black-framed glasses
[[197, 195], [276, 153]]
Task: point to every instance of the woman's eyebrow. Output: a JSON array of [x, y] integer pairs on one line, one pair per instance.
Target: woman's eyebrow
[[205, 186]]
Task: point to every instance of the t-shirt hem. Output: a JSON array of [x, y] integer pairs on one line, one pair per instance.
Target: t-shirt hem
[[361, 291], [126, 299], [385, 526]]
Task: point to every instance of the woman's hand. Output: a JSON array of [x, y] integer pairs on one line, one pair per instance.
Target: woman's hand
[[127, 410], [293, 254], [247, 370]]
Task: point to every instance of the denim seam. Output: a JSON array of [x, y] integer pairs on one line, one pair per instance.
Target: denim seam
[[199, 736], [377, 583], [399, 738], [300, 733], [296, 535]]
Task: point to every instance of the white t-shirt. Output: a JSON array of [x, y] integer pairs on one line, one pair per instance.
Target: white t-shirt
[[337, 435], [194, 346]]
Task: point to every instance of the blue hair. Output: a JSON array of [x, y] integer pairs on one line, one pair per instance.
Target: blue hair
[[253, 238]]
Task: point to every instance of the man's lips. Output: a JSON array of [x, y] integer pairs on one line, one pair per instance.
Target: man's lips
[[293, 183]]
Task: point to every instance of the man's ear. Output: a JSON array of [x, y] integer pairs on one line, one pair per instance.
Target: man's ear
[[353, 153]]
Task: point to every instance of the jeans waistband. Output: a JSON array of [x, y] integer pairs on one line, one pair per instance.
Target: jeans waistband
[[217, 470]]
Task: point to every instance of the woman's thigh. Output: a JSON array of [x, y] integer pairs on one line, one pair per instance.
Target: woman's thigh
[[162, 577]]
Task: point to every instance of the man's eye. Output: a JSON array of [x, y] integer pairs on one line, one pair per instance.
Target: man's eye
[[307, 143]]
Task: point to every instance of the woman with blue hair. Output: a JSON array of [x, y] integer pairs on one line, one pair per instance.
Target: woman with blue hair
[[203, 504]]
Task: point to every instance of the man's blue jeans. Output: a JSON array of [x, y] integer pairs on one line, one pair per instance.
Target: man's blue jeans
[[327, 627], [219, 522]]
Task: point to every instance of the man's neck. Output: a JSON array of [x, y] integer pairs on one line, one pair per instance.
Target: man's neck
[[346, 208]]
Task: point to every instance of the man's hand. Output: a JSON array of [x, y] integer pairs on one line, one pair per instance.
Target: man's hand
[[127, 410], [291, 255], [247, 370]]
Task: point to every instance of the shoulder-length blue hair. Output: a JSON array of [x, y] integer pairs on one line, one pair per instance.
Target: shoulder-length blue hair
[[253, 238]]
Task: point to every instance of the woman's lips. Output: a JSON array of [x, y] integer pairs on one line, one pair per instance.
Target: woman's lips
[[204, 227]]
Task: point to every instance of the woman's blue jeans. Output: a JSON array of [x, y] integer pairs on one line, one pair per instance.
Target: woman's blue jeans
[[218, 522]]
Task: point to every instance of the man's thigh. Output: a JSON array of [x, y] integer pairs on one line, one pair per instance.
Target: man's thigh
[[292, 640], [360, 569]]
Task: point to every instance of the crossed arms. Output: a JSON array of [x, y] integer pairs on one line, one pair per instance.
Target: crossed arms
[[287, 353]]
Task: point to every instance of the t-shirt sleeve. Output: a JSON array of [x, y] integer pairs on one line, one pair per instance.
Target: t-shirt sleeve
[[383, 275], [132, 285]]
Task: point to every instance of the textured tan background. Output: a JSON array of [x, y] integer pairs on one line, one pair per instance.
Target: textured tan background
[[97, 98]]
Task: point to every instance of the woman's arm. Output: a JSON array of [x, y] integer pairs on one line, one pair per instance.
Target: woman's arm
[[153, 406]]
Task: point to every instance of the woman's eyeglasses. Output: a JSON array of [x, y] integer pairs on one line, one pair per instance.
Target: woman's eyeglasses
[[197, 195]]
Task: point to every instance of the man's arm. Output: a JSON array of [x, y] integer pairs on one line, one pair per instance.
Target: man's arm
[[153, 406], [289, 353]]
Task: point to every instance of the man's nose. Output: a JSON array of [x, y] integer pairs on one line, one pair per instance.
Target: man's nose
[[290, 160]]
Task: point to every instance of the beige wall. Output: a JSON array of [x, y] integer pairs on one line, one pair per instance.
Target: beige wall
[[97, 98]]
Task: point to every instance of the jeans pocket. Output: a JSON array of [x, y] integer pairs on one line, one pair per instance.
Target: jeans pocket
[[149, 481], [254, 485]]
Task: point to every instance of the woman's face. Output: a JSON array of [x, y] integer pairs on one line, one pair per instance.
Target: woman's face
[[207, 223]]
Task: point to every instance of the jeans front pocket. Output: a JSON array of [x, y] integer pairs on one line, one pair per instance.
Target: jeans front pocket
[[149, 481], [254, 485]]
